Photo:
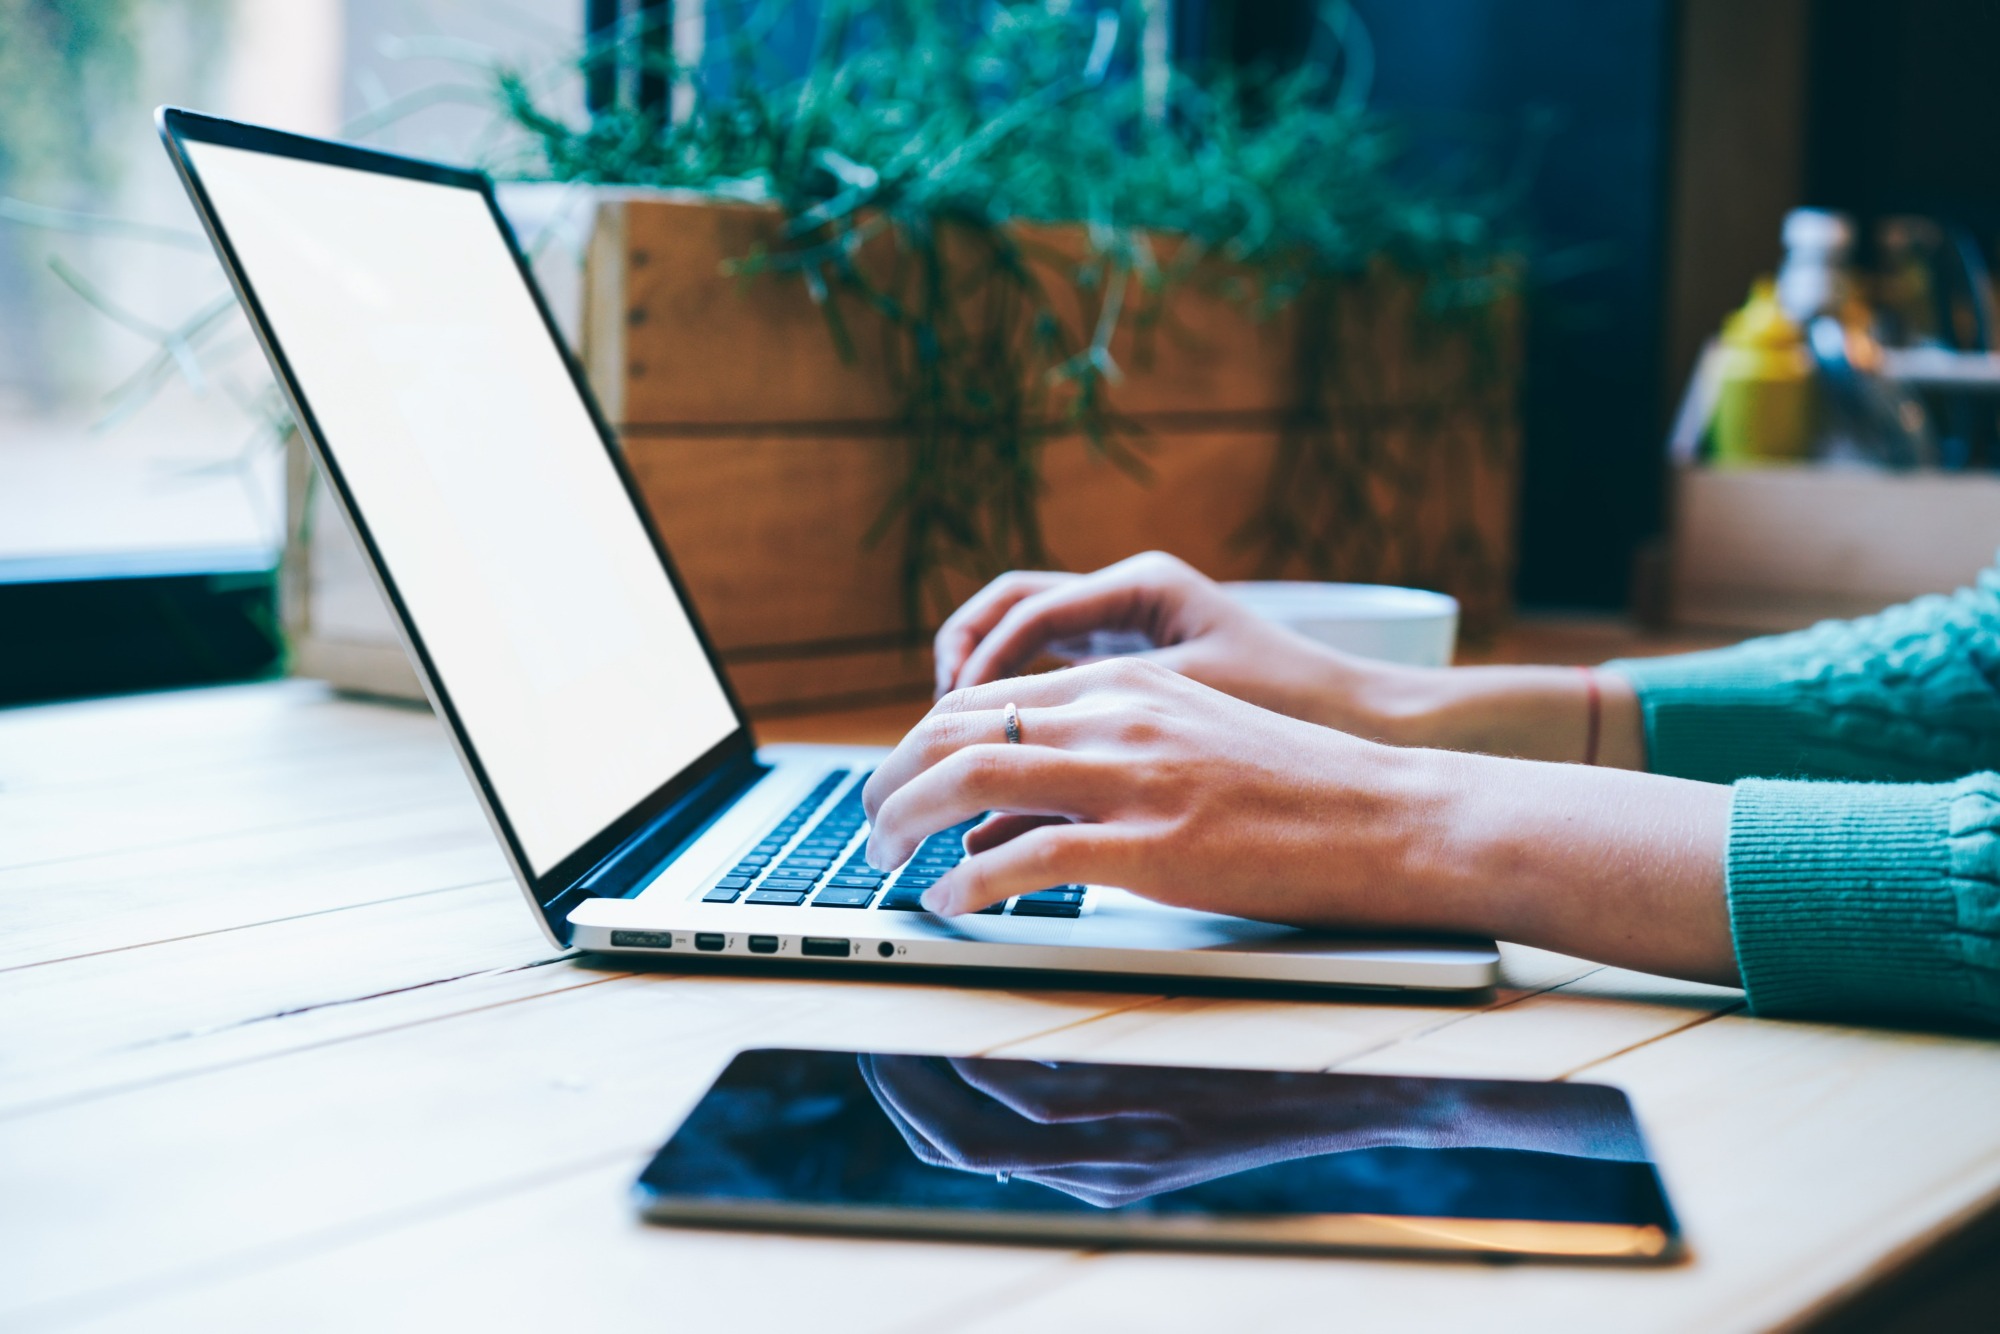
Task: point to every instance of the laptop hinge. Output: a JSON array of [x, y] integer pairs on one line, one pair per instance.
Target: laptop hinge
[[628, 867]]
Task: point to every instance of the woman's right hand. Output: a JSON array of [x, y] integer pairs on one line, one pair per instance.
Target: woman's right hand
[[1196, 628], [1201, 632]]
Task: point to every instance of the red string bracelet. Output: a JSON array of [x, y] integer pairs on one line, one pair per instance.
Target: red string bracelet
[[1595, 703]]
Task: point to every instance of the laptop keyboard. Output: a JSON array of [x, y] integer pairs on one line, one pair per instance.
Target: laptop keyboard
[[825, 866]]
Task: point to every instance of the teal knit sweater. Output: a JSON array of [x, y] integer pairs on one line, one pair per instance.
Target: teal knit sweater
[[1876, 895]]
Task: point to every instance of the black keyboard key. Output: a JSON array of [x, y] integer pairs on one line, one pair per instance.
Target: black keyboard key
[[992, 909], [734, 882], [723, 893], [851, 881], [1033, 908], [1060, 894], [749, 868], [782, 898], [844, 896], [902, 903], [782, 878]]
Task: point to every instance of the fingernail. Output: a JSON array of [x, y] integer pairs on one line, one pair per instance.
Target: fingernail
[[936, 900]]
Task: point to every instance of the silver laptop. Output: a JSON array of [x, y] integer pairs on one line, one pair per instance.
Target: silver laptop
[[556, 641]]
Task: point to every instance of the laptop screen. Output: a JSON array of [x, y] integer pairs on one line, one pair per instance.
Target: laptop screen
[[447, 407]]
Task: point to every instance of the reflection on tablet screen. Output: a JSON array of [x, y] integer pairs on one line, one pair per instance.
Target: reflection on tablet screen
[[1062, 1151]]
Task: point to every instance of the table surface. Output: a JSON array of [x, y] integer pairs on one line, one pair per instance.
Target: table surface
[[280, 1048]]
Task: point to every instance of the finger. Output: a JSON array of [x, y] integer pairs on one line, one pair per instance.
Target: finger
[[1019, 780], [975, 717], [964, 628], [999, 829], [1065, 854], [1111, 599]]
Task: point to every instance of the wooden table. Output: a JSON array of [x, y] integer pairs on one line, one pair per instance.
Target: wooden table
[[281, 1050]]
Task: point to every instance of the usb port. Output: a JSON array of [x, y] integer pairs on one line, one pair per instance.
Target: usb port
[[820, 947], [709, 940], [763, 944], [650, 940]]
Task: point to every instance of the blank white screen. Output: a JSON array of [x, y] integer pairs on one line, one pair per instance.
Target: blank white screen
[[472, 460]]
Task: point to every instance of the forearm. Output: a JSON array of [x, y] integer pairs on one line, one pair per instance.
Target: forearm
[[1620, 867], [1533, 713]]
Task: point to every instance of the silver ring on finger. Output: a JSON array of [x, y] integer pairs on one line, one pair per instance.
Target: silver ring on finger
[[1010, 718]]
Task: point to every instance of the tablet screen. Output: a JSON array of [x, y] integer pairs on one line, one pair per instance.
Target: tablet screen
[[1074, 1151]]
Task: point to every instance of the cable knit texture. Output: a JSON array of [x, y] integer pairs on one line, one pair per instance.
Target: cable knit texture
[[1911, 695], [1869, 899]]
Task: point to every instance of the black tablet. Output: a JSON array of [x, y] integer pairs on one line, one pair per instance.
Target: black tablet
[[1080, 1153]]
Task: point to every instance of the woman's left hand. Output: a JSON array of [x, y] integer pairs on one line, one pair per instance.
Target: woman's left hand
[[1132, 775]]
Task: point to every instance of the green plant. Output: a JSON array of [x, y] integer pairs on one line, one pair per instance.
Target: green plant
[[922, 137]]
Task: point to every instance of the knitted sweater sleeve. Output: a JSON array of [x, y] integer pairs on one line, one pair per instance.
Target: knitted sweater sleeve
[[1874, 899], [1911, 694], [1868, 900]]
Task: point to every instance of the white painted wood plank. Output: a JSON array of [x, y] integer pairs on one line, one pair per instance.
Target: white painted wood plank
[[1550, 1035], [105, 902], [1310, 1036], [1803, 1157], [41, 825], [572, 1255], [161, 735], [127, 1017], [119, 1193]]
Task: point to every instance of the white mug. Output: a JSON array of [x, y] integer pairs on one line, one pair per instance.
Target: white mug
[[1406, 625]]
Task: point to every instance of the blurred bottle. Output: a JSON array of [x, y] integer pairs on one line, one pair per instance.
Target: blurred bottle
[[1817, 276], [1906, 294], [1934, 291], [1852, 414], [1764, 401]]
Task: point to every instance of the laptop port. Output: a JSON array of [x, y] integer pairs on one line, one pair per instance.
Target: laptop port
[[820, 947], [709, 940], [886, 950], [645, 940], [763, 944]]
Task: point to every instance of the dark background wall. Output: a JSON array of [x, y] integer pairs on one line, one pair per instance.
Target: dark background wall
[[1599, 77], [1598, 81], [1904, 109]]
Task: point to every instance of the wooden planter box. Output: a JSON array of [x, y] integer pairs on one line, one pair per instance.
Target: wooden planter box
[[765, 458]]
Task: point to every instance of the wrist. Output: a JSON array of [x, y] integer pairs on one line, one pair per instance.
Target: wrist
[[1384, 701], [1419, 838]]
